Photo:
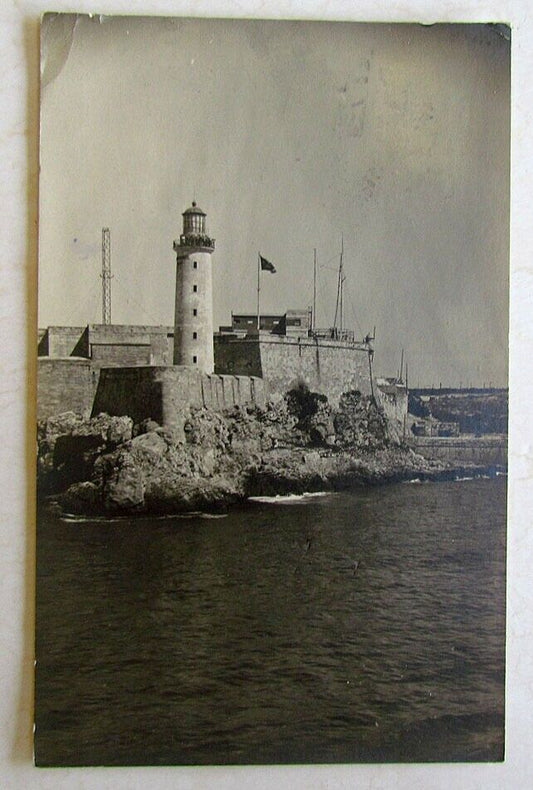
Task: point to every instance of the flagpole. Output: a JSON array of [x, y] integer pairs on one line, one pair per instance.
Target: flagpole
[[258, 288], [313, 318]]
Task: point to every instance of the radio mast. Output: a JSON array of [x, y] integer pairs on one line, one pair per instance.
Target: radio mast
[[106, 276]]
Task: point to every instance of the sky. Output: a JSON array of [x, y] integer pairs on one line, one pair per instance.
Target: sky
[[291, 136]]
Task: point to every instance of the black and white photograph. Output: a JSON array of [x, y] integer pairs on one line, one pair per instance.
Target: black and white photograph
[[272, 392]]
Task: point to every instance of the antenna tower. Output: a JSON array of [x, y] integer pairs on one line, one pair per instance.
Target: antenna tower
[[106, 276]]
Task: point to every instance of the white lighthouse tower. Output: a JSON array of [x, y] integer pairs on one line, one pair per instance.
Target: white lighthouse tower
[[193, 323]]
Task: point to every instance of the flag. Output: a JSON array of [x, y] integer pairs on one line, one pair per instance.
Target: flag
[[266, 266]]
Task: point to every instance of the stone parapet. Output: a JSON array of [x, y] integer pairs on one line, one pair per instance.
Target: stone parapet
[[164, 393], [65, 385], [330, 367], [485, 450]]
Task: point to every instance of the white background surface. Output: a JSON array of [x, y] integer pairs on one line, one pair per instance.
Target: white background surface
[[19, 64]]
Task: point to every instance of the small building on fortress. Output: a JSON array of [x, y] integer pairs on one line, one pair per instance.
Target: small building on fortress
[[154, 371], [286, 352]]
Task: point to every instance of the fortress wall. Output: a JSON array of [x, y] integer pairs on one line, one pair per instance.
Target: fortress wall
[[207, 392], [258, 391], [488, 450], [135, 392], [82, 346], [236, 356], [162, 347], [64, 385], [329, 367], [42, 343], [228, 393], [162, 393], [394, 405], [181, 387], [245, 390], [120, 355], [118, 345], [62, 341], [110, 345], [214, 383]]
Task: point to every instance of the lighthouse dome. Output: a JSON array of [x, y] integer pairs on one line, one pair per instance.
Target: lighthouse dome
[[194, 229], [194, 209]]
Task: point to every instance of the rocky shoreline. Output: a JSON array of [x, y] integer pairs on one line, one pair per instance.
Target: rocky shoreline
[[209, 461]]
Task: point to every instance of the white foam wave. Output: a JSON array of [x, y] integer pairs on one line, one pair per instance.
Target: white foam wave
[[72, 518], [475, 477], [289, 499], [211, 515]]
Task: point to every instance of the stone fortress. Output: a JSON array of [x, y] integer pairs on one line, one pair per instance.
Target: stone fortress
[[152, 372]]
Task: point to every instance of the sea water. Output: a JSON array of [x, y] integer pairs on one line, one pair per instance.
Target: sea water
[[356, 626]]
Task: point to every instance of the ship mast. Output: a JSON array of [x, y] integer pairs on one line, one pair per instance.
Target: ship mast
[[313, 317], [340, 284]]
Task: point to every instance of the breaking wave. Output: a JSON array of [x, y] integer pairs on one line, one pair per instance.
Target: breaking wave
[[289, 499]]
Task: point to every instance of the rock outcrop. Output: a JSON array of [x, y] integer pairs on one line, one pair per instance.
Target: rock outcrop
[[69, 444], [295, 444]]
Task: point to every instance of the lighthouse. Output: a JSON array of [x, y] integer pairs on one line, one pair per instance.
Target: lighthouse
[[193, 322]]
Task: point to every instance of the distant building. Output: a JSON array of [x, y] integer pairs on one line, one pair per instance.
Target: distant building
[[244, 323]]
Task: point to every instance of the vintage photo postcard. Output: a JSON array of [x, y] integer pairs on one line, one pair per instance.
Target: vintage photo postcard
[[272, 392]]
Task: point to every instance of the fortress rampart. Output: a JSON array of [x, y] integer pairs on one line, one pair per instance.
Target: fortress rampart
[[392, 396], [330, 367], [65, 385], [485, 450], [110, 345], [63, 341], [162, 393], [117, 368]]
